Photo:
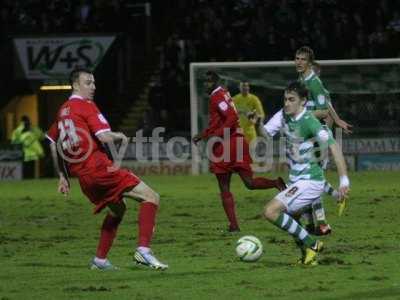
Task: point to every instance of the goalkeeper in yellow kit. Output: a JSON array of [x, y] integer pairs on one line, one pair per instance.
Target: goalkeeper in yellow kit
[[245, 103]]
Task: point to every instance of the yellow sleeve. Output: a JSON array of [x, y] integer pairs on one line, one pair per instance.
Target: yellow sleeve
[[258, 107], [39, 134], [16, 134]]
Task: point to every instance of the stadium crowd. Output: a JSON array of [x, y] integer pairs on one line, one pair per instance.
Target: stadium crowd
[[273, 30], [57, 16], [242, 30], [260, 30], [205, 30]]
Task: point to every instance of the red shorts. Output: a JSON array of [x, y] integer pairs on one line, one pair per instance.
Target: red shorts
[[238, 158], [103, 186]]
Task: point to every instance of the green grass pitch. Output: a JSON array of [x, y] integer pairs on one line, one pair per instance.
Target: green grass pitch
[[47, 241]]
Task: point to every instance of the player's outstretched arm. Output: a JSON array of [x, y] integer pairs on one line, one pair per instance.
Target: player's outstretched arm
[[270, 128], [338, 157], [111, 136], [63, 183], [258, 124], [338, 121], [321, 113], [259, 109]]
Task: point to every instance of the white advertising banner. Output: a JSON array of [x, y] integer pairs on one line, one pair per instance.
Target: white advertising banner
[[10, 170], [158, 168], [381, 162], [372, 145], [54, 58]]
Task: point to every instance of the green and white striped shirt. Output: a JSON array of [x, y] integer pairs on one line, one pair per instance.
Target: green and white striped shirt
[[301, 134]]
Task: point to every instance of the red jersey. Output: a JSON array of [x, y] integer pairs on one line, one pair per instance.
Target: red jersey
[[222, 114], [78, 121]]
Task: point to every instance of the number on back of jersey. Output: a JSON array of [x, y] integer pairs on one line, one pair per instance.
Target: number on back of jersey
[[68, 134]]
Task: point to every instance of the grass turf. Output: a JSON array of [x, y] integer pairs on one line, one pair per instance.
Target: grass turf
[[47, 241]]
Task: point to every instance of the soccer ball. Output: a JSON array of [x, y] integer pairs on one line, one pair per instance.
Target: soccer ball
[[249, 248]]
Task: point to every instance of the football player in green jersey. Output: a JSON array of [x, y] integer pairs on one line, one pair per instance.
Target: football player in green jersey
[[306, 177], [320, 104]]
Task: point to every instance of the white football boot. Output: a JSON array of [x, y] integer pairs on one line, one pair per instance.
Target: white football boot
[[148, 259]]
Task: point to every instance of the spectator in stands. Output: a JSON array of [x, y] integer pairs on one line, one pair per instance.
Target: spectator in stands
[[83, 12], [394, 23], [377, 42], [210, 17], [361, 45], [29, 137]]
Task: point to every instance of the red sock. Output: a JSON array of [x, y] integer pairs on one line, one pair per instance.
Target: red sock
[[107, 235], [263, 183], [229, 206], [147, 220]]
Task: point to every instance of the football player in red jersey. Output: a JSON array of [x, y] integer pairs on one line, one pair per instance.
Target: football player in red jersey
[[77, 138], [224, 122]]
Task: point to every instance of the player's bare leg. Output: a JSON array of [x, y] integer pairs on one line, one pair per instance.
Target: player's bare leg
[[257, 183], [228, 201], [107, 235], [149, 202]]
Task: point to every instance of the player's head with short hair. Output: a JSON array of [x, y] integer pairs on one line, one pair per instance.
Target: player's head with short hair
[[244, 87], [212, 76], [298, 87], [82, 83], [295, 98], [304, 60], [212, 80], [75, 73], [308, 52]]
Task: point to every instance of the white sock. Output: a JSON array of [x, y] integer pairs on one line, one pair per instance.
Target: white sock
[[143, 249], [100, 261]]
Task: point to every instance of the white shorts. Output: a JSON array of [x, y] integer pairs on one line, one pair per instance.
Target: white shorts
[[300, 195]]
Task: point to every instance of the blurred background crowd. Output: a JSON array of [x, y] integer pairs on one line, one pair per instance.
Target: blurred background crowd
[[184, 31], [221, 30]]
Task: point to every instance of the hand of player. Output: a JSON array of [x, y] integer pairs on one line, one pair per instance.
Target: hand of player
[[253, 117], [344, 125], [63, 186], [196, 138], [343, 195]]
